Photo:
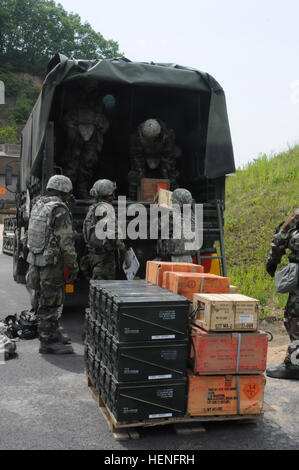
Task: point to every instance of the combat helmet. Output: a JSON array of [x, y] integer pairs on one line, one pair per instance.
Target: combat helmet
[[150, 129], [60, 183], [181, 196], [102, 188]]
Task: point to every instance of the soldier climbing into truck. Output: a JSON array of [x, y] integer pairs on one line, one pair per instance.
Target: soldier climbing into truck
[[182, 107]]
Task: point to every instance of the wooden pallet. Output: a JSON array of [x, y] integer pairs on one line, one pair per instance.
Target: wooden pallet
[[182, 426]]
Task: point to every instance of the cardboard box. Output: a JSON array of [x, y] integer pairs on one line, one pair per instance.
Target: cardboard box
[[164, 198], [227, 353], [155, 270], [149, 188], [225, 394], [226, 312], [188, 284]]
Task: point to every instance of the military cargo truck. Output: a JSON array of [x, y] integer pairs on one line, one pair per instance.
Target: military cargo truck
[[190, 102]]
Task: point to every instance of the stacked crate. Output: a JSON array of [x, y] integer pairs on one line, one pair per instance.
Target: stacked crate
[[155, 270], [228, 356], [136, 349], [227, 351]]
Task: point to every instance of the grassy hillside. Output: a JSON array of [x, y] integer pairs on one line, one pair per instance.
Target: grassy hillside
[[258, 198]]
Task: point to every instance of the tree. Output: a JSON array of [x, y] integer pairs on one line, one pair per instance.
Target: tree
[[32, 31]]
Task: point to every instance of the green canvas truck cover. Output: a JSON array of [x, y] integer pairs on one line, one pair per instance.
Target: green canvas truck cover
[[219, 158]]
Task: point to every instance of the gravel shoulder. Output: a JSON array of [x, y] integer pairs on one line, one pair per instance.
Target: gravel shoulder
[[278, 346]]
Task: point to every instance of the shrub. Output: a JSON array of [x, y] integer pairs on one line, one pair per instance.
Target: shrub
[[9, 135]]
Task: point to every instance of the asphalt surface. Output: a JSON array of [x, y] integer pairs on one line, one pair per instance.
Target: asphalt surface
[[45, 404]]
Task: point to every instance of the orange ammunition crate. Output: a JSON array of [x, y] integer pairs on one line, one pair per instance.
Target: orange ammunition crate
[[149, 188], [188, 284], [225, 394], [155, 270], [228, 353], [226, 312]]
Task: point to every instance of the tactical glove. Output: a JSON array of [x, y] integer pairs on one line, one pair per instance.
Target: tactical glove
[[271, 267]]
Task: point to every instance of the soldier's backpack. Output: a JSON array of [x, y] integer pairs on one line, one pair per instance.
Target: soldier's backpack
[[40, 221], [91, 221]]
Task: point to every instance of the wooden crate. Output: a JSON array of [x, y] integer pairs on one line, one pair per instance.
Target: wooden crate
[[164, 198], [225, 394], [233, 289], [227, 353], [226, 312], [188, 284], [155, 270], [182, 426], [149, 188]]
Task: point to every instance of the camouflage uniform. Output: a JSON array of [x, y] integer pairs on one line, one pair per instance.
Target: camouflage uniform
[[153, 156], [287, 237], [174, 249], [47, 264], [103, 254], [85, 128]]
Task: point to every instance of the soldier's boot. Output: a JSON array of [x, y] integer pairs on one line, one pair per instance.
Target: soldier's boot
[[55, 348], [283, 372], [289, 369]]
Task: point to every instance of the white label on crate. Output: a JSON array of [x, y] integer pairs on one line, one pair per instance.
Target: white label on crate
[[163, 337], [246, 318], [169, 355], [129, 411], [131, 371], [157, 377], [165, 393], [162, 415], [167, 315], [127, 331]]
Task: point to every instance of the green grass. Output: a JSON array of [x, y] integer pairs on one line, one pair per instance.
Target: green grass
[[258, 198]]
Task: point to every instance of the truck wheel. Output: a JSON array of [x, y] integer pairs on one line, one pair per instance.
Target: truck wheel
[[20, 266]]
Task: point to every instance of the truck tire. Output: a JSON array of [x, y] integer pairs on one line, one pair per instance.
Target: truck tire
[[20, 266]]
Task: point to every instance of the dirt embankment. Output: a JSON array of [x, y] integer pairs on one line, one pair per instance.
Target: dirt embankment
[[278, 346]]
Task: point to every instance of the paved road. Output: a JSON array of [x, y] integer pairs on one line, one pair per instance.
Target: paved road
[[45, 404]]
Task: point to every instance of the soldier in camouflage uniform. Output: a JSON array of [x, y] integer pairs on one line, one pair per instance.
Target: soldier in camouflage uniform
[[85, 126], [153, 154], [103, 253], [51, 248], [174, 249], [287, 237]]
